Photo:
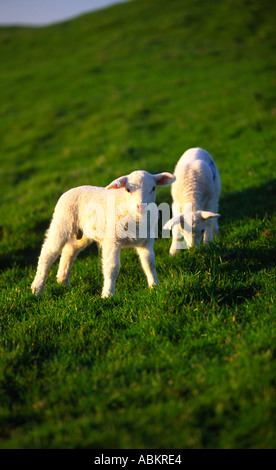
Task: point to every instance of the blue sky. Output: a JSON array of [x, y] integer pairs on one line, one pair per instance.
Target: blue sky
[[42, 12]]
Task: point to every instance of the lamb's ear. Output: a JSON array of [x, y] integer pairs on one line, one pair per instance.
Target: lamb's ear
[[208, 215], [164, 179], [118, 183], [178, 219]]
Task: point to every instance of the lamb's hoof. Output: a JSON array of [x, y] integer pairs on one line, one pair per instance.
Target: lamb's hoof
[[64, 282], [107, 294], [154, 284], [172, 252], [37, 290]]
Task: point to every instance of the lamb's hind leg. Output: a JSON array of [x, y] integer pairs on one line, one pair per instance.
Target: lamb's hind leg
[[69, 253], [50, 251]]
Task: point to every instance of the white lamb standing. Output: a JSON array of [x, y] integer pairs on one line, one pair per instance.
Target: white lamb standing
[[195, 194], [89, 213]]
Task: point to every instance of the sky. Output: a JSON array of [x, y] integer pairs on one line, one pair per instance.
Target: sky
[[44, 12]]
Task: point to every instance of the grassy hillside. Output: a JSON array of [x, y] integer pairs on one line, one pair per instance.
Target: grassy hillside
[[190, 364]]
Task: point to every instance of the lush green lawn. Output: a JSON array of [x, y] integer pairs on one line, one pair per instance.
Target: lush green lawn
[[190, 364]]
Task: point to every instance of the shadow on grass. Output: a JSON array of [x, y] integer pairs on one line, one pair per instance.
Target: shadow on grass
[[249, 259], [231, 274], [25, 257], [29, 256], [232, 295], [226, 260], [250, 202]]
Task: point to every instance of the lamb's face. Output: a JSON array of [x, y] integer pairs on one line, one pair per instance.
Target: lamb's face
[[192, 225], [140, 187], [198, 227]]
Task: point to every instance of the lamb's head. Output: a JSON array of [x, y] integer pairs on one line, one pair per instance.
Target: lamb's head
[[192, 225], [140, 187]]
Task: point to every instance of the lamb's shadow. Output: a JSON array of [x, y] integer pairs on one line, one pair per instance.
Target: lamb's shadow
[[28, 256], [247, 261], [250, 202], [235, 266]]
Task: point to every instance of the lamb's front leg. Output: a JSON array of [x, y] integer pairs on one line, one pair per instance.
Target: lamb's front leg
[[178, 243], [147, 258], [208, 233], [111, 266]]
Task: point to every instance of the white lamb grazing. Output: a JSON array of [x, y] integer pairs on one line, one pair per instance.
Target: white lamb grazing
[[105, 215], [195, 196]]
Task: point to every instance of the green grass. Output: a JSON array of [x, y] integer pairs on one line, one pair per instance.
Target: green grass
[[190, 364]]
